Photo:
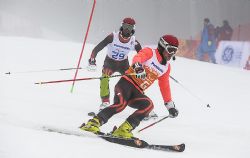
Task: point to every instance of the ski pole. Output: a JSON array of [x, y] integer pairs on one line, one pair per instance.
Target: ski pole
[[45, 70], [81, 79], [190, 92], [153, 123]]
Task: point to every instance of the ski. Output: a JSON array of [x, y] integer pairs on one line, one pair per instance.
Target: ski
[[63, 131], [132, 142], [138, 143]]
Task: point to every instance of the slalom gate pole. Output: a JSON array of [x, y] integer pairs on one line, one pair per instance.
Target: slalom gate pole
[[81, 79], [190, 92], [85, 38], [45, 70], [153, 124]]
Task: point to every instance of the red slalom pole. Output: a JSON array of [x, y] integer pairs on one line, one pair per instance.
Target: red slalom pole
[[85, 38], [79, 79]]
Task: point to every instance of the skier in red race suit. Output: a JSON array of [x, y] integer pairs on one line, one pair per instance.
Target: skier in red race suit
[[148, 65]]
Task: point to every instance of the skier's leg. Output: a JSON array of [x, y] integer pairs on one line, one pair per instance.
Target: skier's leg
[[110, 66], [143, 105], [123, 66], [108, 69], [104, 87], [122, 95]]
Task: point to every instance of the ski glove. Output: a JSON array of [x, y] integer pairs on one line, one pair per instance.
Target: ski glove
[[92, 64], [173, 112], [139, 70]]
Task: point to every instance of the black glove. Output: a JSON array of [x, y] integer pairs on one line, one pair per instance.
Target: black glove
[[92, 64], [173, 112], [139, 70], [92, 61]]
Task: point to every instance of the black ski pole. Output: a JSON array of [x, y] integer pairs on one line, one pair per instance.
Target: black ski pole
[[45, 70], [153, 123], [190, 92]]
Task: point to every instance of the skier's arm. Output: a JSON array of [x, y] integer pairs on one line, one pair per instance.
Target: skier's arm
[[143, 55], [101, 45], [164, 85], [137, 46], [166, 94]]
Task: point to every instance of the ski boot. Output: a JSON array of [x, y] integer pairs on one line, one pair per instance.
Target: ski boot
[[103, 106], [151, 115], [124, 131], [92, 125]]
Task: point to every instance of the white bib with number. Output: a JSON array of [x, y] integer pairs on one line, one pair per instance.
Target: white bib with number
[[118, 50]]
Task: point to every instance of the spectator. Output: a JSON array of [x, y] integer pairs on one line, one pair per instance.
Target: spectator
[[247, 66], [224, 33], [208, 42]]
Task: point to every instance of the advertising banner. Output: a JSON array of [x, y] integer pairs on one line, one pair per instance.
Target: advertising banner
[[233, 53]]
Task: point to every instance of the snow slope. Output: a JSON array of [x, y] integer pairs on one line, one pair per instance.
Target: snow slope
[[220, 131]]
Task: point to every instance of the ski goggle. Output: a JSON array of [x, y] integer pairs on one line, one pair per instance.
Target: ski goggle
[[169, 48], [128, 27]]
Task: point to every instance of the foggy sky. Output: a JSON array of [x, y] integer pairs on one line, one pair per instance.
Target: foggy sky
[[67, 19]]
